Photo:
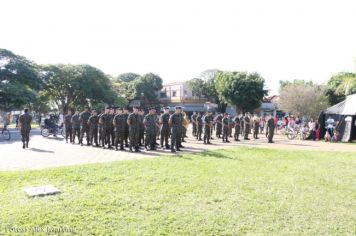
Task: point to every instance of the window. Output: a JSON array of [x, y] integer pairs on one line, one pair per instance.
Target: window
[[162, 95], [174, 93]]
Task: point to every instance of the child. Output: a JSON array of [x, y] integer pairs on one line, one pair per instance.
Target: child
[[335, 138]]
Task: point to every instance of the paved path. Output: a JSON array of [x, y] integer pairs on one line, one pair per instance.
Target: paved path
[[54, 152]]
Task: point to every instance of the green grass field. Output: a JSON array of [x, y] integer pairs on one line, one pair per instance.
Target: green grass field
[[240, 191]]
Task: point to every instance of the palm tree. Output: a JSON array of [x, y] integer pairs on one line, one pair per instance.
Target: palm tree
[[348, 85]]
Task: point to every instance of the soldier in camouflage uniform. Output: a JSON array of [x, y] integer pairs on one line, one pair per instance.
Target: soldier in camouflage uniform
[[237, 128], [111, 126], [193, 120], [126, 114], [142, 128], [105, 120], [242, 125], [208, 120], [119, 126], [164, 131], [75, 126], [134, 129], [219, 125], [25, 127], [176, 121], [270, 129], [150, 123], [199, 127], [256, 126], [84, 117], [93, 128], [68, 126], [100, 127], [247, 126], [225, 128]]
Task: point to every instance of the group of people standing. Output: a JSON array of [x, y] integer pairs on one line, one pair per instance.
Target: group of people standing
[[226, 126], [116, 127]]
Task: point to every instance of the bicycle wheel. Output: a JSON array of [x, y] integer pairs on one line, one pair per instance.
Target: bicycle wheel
[[45, 132], [291, 135], [6, 135]]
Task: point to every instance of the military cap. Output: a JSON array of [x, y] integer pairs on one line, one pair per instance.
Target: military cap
[[136, 107], [178, 107], [107, 107], [166, 108], [119, 109], [152, 108]]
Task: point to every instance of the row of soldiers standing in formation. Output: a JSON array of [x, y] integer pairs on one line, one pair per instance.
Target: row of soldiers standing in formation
[[118, 128], [224, 124]]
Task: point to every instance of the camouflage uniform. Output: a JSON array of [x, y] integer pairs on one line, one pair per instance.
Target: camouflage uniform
[[142, 131], [208, 119], [256, 127], [134, 130], [75, 127], [237, 128], [150, 122], [225, 126], [68, 127], [126, 130], [84, 117], [193, 119], [164, 129], [93, 129], [270, 129], [111, 129], [219, 125], [247, 127], [199, 127], [25, 121], [100, 127], [176, 121], [119, 126], [105, 120]]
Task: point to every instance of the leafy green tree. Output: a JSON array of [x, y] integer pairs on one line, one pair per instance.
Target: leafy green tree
[[204, 86], [77, 85], [244, 90], [19, 80], [146, 88], [340, 85]]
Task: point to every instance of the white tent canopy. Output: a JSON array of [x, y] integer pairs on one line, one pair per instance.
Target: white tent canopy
[[347, 107], [350, 105]]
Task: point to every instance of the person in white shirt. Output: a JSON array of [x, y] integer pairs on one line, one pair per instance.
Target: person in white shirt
[[330, 124]]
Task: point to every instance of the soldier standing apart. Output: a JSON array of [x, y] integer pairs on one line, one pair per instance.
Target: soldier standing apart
[[104, 121], [219, 125], [126, 114], [134, 129], [93, 128], [208, 120], [150, 123], [68, 126], [176, 122], [75, 126], [84, 117], [164, 122], [225, 125], [270, 129], [256, 126], [194, 123], [247, 126], [237, 128], [199, 121], [119, 126], [25, 127]]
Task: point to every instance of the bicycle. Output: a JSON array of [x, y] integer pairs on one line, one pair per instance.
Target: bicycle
[[5, 133]]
